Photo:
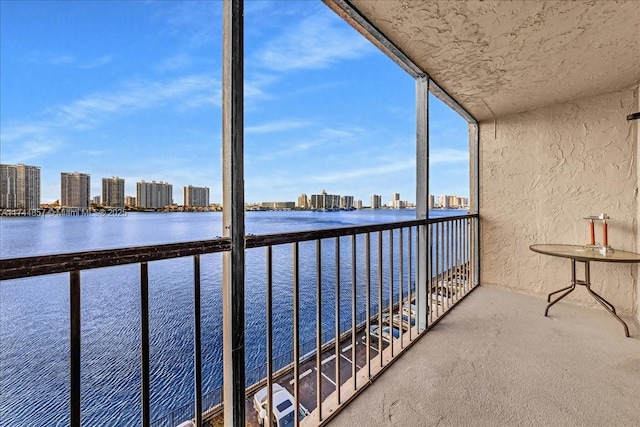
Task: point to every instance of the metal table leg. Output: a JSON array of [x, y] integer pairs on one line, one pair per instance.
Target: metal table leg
[[570, 288], [587, 283], [607, 305]]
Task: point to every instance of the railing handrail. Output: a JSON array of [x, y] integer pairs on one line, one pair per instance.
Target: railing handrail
[[260, 240], [15, 268]]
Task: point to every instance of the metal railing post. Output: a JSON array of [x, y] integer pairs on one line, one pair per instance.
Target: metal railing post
[[233, 212]]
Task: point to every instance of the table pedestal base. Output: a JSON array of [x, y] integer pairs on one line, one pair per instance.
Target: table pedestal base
[[586, 282]]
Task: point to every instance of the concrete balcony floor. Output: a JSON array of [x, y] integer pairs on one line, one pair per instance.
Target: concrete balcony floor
[[495, 360]]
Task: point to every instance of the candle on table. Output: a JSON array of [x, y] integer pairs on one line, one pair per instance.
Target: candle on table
[[592, 232], [605, 235]]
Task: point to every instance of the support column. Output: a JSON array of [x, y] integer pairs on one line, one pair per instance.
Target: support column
[[474, 196], [233, 213], [422, 198]]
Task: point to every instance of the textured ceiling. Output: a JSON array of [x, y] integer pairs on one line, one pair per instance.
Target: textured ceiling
[[502, 57]]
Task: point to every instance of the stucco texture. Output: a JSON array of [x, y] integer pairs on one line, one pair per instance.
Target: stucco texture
[[541, 173], [501, 57]]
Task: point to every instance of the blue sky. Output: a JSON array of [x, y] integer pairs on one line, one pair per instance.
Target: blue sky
[[133, 89]]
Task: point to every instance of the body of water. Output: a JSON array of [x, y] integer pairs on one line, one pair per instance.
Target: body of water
[[34, 312]]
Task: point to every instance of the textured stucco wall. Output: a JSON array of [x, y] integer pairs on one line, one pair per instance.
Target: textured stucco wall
[[499, 57], [542, 171], [637, 129]]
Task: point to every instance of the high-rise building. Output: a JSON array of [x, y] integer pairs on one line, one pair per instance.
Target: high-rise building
[[432, 201], [376, 201], [75, 190], [154, 194], [19, 186], [195, 196], [357, 204], [129, 201], [303, 201], [95, 200], [346, 202], [325, 201], [395, 201], [113, 192]]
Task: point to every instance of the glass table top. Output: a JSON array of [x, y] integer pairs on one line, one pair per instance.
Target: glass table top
[[581, 253]]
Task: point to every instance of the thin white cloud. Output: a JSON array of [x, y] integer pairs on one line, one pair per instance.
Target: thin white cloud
[[27, 140], [97, 62], [196, 22], [448, 156], [62, 59], [176, 62], [332, 133], [289, 150], [317, 41], [93, 109], [377, 170], [71, 60], [276, 126]]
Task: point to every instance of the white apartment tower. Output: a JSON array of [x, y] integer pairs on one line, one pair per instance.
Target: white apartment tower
[[346, 202], [19, 186], [113, 192], [395, 201], [325, 201], [154, 194], [303, 201], [75, 190], [376, 201], [195, 196]]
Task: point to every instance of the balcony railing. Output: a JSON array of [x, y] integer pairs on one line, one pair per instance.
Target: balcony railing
[[343, 284]]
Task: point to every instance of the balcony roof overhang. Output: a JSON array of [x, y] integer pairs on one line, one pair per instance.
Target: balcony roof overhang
[[501, 57]]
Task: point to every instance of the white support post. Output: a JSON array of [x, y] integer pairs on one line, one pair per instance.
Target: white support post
[[422, 197]]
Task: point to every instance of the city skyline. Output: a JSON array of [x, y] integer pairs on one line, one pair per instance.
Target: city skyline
[[145, 103], [20, 180]]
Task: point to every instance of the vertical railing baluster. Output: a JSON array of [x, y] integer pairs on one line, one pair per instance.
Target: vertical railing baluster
[[468, 278], [144, 315], [391, 340], [367, 261], [197, 340], [411, 286], [474, 244], [337, 318], [353, 311], [319, 328], [296, 330], [450, 260], [269, 326], [429, 283], [440, 256], [456, 243], [459, 246], [462, 243], [400, 284], [418, 294], [434, 269], [380, 296], [75, 319], [463, 250]]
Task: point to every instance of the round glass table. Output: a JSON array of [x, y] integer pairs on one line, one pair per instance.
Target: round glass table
[[585, 255]]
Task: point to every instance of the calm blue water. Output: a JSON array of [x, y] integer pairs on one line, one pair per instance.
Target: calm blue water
[[34, 318]]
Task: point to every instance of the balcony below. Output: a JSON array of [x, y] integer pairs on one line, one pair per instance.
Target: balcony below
[[496, 360]]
